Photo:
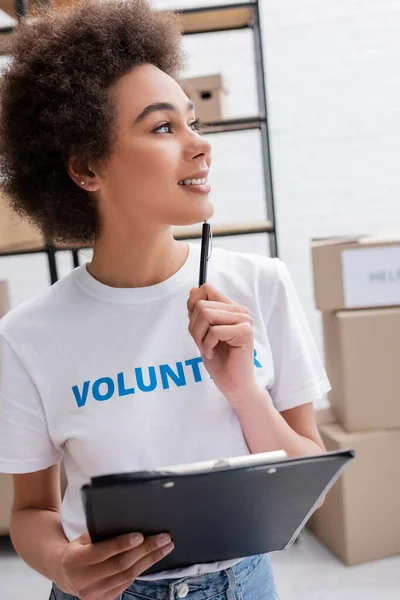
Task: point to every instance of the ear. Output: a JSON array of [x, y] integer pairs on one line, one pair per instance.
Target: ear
[[83, 175]]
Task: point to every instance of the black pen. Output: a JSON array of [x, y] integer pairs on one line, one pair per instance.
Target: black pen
[[204, 256]]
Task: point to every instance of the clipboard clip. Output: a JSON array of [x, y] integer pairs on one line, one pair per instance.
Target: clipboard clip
[[221, 464]]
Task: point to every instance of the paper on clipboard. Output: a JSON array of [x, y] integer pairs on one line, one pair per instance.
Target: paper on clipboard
[[236, 461]]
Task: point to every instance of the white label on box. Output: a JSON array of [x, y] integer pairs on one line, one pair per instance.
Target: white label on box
[[371, 276]]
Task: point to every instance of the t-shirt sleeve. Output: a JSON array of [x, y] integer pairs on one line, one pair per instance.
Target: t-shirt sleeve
[[25, 444], [299, 375]]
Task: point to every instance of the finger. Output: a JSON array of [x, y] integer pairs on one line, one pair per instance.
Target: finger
[[206, 292], [84, 539], [200, 304], [209, 317], [217, 316], [196, 294], [213, 293], [236, 336], [120, 581], [216, 313], [125, 560], [101, 551]]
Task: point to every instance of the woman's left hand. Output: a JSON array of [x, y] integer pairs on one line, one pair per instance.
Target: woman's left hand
[[223, 332]]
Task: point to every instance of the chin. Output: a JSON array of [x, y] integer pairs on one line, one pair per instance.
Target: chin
[[195, 215]]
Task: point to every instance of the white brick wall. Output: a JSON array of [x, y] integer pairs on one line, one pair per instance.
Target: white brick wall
[[333, 86], [333, 82]]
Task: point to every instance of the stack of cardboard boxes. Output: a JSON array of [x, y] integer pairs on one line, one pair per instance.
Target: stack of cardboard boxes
[[6, 487], [357, 288], [16, 234], [6, 481]]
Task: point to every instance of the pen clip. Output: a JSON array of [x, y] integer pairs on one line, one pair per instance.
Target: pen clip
[[210, 245]]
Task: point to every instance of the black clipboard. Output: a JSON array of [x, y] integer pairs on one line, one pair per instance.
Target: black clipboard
[[220, 514]]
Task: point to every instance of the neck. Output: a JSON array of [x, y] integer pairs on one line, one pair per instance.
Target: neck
[[140, 259]]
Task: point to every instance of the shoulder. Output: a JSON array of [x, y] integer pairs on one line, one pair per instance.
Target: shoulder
[[36, 314], [256, 281], [249, 269]]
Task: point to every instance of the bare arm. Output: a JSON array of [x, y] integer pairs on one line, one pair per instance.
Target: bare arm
[[100, 571], [265, 429], [36, 530], [223, 331]]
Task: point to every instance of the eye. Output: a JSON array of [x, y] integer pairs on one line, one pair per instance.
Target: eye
[[168, 125], [197, 124]]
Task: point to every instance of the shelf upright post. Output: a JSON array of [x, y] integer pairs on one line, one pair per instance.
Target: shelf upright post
[[52, 260], [21, 8], [265, 145], [75, 258]]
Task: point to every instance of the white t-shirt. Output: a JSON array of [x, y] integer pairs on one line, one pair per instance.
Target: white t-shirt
[[112, 380]]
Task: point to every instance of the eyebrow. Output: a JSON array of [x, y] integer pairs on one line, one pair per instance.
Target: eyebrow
[[157, 106]]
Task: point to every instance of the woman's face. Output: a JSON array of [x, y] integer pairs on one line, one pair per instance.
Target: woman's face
[[154, 151]]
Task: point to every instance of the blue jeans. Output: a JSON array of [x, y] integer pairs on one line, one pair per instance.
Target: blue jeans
[[251, 579]]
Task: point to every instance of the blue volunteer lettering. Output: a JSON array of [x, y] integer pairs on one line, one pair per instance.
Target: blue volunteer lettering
[[104, 388]]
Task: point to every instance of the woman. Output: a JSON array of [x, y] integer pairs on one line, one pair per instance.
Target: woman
[[124, 364]]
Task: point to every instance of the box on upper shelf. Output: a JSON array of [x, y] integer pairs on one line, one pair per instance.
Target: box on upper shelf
[[208, 94], [360, 518], [356, 272]]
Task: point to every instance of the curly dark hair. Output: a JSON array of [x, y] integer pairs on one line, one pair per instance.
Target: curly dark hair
[[55, 102]]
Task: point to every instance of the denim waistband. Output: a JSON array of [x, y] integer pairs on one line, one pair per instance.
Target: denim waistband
[[210, 584], [207, 586]]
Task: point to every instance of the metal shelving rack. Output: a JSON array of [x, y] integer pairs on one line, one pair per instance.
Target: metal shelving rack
[[211, 19]]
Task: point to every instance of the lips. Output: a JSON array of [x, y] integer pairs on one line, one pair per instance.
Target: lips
[[203, 174], [203, 181]]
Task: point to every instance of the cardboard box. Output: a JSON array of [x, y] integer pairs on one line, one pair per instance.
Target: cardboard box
[[6, 500], [16, 234], [4, 298], [324, 416], [9, 6], [362, 350], [208, 95], [356, 272], [360, 518]]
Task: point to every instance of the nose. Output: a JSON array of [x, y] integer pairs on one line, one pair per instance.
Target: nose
[[197, 145]]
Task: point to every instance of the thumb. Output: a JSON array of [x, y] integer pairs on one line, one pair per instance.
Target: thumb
[[84, 539]]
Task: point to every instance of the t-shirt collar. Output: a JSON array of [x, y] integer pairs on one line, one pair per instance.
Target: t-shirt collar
[[189, 270]]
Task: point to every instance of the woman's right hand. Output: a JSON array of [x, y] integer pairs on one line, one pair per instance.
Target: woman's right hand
[[103, 570]]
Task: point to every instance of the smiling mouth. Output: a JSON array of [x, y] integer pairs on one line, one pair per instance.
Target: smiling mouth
[[195, 186], [203, 181]]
